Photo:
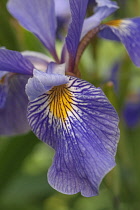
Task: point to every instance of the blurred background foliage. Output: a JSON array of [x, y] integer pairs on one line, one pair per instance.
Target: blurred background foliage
[[24, 160]]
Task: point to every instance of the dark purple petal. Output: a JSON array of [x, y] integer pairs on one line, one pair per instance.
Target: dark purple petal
[[13, 61], [39, 60], [37, 16], [79, 122], [128, 32], [13, 114], [91, 2], [78, 12], [107, 33]]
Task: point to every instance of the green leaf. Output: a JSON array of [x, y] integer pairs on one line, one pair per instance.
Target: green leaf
[[12, 154]]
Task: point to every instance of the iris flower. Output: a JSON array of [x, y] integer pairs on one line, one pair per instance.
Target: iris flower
[[131, 107], [69, 114]]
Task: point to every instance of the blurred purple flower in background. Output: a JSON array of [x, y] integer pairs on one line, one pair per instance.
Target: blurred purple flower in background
[[131, 110], [69, 114], [131, 107]]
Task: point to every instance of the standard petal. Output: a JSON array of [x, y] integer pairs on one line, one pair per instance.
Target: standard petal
[[79, 122], [13, 61], [54, 68], [127, 31], [62, 8], [39, 60], [13, 114], [63, 15], [42, 82], [38, 17], [102, 10], [78, 12]]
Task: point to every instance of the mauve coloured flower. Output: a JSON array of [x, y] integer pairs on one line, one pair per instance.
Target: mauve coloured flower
[[69, 114], [131, 110], [13, 104], [13, 99]]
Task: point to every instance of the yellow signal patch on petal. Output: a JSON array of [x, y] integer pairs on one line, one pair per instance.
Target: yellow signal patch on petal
[[116, 23], [60, 101]]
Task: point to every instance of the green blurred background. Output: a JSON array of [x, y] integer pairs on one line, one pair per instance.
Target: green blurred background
[[24, 160]]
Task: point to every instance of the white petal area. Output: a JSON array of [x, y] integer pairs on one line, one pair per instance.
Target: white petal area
[[54, 68], [39, 60]]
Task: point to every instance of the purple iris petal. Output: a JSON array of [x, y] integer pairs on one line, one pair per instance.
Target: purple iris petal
[[3, 94], [42, 82], [102, 10], [107, 33], [39, 60], [79, 122], [127, 31], [54, 68], [3, 88], [37, 16], [63, 15], [13, 114], [62, 8], [13, 61], [78, 12], [91, 2], [2, 74]]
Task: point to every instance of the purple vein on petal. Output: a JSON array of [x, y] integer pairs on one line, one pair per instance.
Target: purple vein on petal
[[15, 62], [79, 122]]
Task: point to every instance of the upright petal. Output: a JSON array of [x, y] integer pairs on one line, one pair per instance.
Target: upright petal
[[41, 82], [63, 15], [62, 8], [127, 31], [38, 17], [13, 61], [79, 122], [78, 12], [13, 113], [102, 10]]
